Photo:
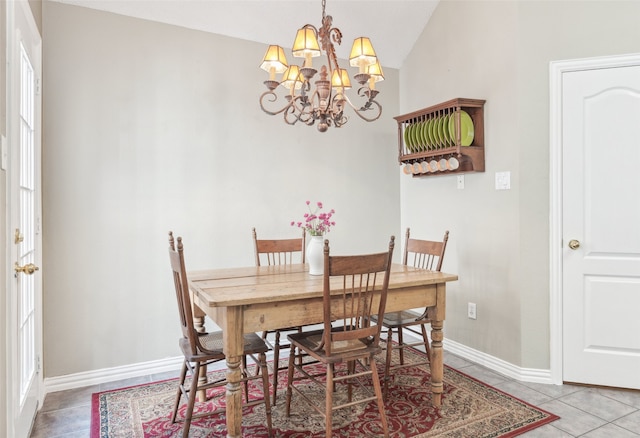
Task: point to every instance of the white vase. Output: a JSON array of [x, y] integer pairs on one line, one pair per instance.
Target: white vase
[[315, 255]]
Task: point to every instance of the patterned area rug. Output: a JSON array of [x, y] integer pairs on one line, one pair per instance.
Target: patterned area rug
[[469, 409]]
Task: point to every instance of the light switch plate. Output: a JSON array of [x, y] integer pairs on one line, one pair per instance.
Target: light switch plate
[[503, 180], [460, 182]]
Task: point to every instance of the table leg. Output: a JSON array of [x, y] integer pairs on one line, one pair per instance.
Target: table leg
[[233, 349], [437, 314], [198, 325], [437, 366]]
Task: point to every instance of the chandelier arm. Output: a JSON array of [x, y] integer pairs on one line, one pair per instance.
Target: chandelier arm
[[290, 112], [298, 108], [367, 107], [291, 115], [307, 116], [340, 119], [304, 109], [273, 97]]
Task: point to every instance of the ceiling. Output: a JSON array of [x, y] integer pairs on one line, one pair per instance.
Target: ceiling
[[393, 25]]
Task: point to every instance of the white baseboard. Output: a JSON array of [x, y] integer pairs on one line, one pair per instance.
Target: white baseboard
[[498, 365], [105, 375]]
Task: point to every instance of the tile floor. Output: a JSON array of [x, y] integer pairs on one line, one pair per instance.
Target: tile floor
[[584, 411]]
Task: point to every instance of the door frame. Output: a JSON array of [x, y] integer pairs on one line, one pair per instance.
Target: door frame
[[556, 72]]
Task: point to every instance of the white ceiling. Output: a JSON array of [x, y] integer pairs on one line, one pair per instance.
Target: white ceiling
[[393, 25]]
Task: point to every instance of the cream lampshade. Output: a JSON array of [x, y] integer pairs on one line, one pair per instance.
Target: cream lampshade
[[362, 54], [375, 74], [274, 61], [292, 78], [306, 45], [340, 79]]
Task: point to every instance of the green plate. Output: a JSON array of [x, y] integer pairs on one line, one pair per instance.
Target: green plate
[[445, 130], [444, 141], [432, 133], [421, 143], [466, 128], [415, 138], [452, 128], [412, 136], [443, 137], [419, 139], [407, 137], [425, 135], [438, 132]]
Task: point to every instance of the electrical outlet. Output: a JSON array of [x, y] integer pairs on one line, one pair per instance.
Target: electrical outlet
[[460, 182], [471, 311]]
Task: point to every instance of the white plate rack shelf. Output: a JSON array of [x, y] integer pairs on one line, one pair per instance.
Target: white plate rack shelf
[[443, 139]]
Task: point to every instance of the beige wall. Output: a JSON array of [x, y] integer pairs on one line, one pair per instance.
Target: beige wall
[[149, 127], [499, 245]]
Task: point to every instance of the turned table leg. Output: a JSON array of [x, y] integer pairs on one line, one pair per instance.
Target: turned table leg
[[233, 349], [437, 314], [198, 325], [437, 365]]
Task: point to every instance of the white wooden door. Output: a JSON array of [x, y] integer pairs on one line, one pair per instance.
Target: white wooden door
[[25, 303], [601, 226]]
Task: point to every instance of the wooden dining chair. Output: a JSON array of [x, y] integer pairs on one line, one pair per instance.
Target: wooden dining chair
[[355, 288], [278, 252], [203, 349], [423, 254]]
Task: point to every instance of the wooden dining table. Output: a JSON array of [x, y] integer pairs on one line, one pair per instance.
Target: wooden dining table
[[254, 299]]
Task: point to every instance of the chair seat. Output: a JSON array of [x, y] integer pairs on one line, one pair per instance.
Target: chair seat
[[349, 349], [214, 342], [399, 319]]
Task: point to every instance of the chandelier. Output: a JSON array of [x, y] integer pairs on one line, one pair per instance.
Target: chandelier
[[326, 101]]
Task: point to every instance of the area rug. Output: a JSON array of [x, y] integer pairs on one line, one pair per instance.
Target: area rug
[[470, 408]]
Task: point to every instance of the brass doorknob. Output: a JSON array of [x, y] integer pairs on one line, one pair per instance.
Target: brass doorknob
[[28, 269], [574, 244]]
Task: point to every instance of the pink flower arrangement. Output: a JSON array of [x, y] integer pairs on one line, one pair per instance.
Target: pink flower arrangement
[[316, 222]]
